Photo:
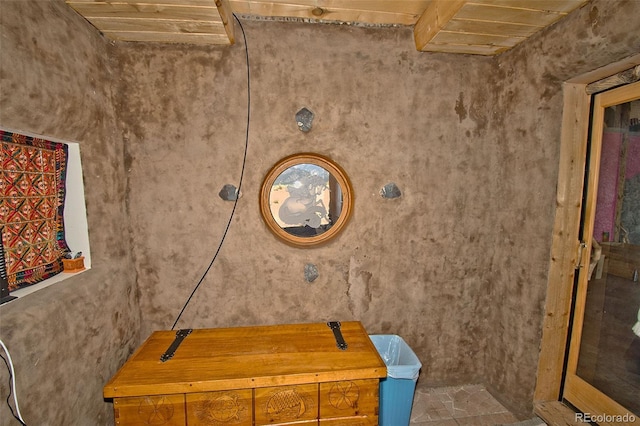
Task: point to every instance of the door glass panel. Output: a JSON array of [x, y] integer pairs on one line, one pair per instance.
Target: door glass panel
[[609, 356]]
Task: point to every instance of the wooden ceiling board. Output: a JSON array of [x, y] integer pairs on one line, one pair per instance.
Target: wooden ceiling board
[[152, 2], [490, 13], [467, 49], [145, 11], [457, 38], [165, 21], [503, 29], [376, 12], [159, 37], [479, 27], [165, 25], [467, 26], [564, 6]]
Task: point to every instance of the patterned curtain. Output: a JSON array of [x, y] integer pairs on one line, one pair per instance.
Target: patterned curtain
[[32, 190]]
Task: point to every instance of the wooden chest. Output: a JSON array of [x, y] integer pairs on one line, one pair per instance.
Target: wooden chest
[[268, 375]]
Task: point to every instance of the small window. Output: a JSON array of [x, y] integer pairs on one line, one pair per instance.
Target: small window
[[42, 210]]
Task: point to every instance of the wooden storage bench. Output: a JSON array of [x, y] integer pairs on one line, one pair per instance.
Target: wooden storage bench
[[269, 375]]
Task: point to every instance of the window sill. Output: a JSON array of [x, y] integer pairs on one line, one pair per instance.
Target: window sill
[[22, 292]]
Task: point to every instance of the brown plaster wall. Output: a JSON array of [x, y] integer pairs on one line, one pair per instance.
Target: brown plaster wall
[[457, 265], [68, 339], [385, 112]]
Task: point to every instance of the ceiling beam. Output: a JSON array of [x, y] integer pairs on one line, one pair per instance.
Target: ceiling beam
[[226, 14], [437, 14]]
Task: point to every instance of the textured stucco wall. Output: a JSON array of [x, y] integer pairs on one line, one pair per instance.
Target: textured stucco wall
[[385, 112], [457, 265], [68, 339]]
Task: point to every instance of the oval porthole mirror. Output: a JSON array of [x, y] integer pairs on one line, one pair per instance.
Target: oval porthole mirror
[[306, 199]]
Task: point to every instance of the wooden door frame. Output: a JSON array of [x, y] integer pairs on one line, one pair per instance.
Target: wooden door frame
[[565, 243], [578, 391]]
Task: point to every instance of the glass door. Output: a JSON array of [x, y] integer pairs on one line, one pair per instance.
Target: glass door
[[603, 369]]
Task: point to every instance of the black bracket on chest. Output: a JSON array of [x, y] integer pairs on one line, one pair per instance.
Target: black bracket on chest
[[335, 327], [170, 352]]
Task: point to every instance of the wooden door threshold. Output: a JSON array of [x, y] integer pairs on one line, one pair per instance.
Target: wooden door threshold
[[556, 413]]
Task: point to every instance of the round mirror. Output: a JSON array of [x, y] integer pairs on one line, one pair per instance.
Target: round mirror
[[306, 199]]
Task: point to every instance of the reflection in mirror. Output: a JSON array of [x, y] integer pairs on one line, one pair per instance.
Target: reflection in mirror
[[305, 199]]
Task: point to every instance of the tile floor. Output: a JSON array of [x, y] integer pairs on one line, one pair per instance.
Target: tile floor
[[468, 405]]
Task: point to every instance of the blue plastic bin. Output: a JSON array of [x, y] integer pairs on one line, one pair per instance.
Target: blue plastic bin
[[398, 388]]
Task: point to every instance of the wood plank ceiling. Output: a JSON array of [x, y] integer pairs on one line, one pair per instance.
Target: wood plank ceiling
[[481, 27]]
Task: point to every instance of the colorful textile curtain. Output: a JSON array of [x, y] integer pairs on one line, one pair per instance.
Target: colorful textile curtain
[[32, 189]]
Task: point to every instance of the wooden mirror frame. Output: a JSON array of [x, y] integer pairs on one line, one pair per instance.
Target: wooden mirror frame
[[306, 158]]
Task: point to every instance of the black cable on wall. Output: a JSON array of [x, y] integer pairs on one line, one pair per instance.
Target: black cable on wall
[[244, 161]]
